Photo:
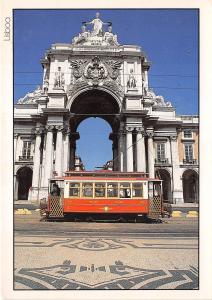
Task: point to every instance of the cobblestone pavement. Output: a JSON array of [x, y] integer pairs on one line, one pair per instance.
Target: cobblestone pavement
[[68, 255]]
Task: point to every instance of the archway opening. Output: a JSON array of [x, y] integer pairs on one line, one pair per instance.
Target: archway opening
[[95, 120], [190, 186], [94, 146], [24, 177], [166, 184]]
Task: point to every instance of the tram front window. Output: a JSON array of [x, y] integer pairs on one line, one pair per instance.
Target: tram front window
[[157, 189], [54, 188]]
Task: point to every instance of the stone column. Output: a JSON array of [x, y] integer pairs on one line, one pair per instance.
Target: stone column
[[140, 150], [36, 159], [176, 173], [151, 163], [15, 187], [15, 144], [115, 155], [129, 148], [73, 137], [59, 150], [48, 155], [66, 152], [121, 151], [168, 151], [72, 154], [18, 148]]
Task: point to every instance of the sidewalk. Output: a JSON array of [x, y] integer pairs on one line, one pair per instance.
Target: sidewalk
[[184, 210], [20, 204]]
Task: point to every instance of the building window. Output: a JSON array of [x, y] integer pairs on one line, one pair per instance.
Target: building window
[[187, 133], [160, 151], [26, 149], [189, 152]]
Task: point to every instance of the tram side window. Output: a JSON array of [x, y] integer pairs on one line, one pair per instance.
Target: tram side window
[[112, 190], [99, 189], [137, 189], [87, 189], [125, 191], [74, 189]]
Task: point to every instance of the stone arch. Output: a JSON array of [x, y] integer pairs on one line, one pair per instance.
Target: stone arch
[[95, 133], [24, 182], [106, 90], [165, 175], [94, 103], [190, 180]]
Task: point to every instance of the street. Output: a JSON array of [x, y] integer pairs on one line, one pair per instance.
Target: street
[[101, 255]]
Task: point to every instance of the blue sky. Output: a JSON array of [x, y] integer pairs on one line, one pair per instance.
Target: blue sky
[[168, 37]]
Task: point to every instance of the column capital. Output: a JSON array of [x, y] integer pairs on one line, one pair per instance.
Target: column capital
[[49, 128], [150, 133], [139, 129], [15, 135], [129, 128], [60, 127], [173, 138], [38, 131]]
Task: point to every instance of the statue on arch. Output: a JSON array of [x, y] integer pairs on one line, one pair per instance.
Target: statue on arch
[[131, 83], [82, 37], [97, 25], [109, 37], [59, 80]]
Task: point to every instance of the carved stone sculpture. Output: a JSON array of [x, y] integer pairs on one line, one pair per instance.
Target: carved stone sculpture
[[109, 37], [45, 86], [31, 97], [97, 26], [97, 36], [95, 73], [95, 70], [131, 82], [77, 67], [157, 100], [59, 80], [82, 37]]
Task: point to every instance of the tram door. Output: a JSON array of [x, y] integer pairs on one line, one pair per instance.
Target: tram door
[[56, 192]]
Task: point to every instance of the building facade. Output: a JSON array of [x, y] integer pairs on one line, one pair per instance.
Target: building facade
[[96, 76]]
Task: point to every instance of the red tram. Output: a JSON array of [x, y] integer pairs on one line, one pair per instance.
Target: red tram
[[103, 192]]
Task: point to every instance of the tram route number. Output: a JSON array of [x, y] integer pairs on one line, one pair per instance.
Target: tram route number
[[7, 29]]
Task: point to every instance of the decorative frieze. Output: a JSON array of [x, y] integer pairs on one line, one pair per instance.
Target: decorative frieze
[[94, 73]]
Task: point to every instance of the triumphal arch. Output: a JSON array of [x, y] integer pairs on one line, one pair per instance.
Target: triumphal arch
[[95, 76]]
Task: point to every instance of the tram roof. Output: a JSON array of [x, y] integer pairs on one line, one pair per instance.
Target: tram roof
[[105, 174]]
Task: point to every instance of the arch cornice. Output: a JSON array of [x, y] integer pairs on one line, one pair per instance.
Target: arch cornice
[[194, 170], [19, 167], [72, 97]]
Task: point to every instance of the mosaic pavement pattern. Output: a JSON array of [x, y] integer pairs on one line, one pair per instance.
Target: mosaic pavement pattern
[[64, 276], [71, 273], [103, 244]]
